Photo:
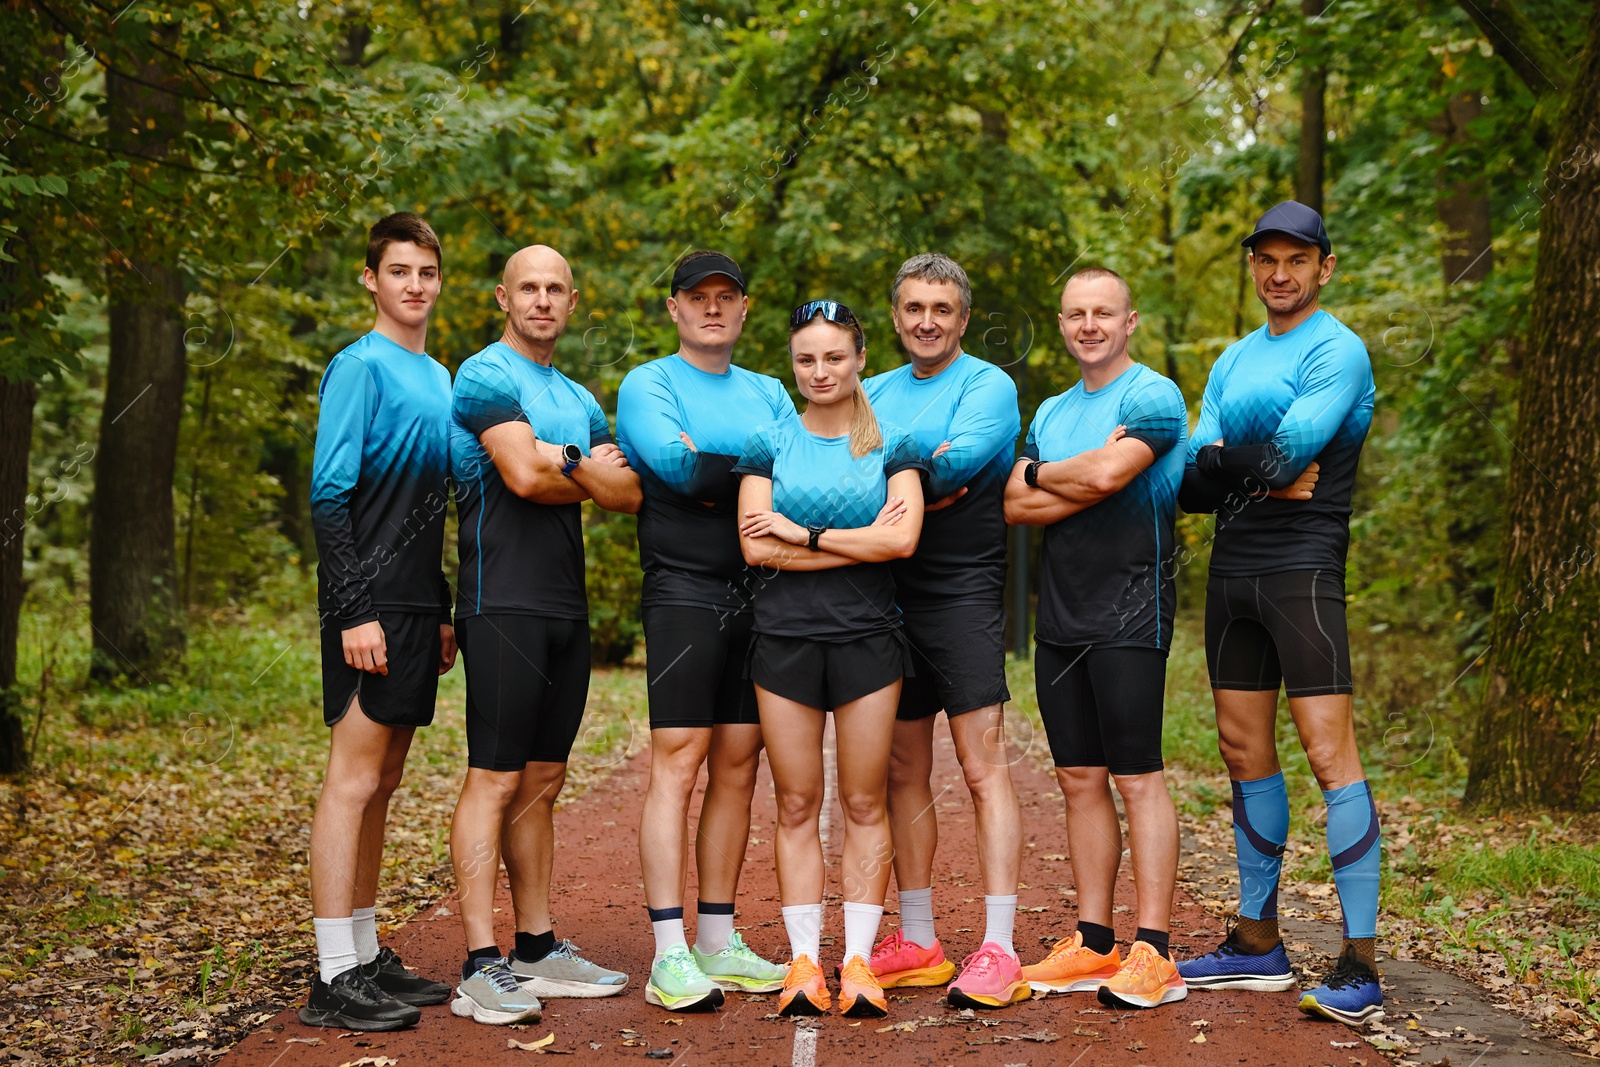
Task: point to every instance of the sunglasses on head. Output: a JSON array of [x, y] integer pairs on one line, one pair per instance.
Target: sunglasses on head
[[831, 310]]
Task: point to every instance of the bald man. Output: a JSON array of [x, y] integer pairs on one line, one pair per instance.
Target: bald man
[[527, 446]]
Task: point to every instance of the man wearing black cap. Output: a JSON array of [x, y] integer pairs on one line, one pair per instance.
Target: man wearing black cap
[[1285, 412], [682, 421]]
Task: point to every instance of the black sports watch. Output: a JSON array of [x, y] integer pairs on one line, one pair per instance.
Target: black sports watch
[[572, 455], [1030, 473], [815, 532]]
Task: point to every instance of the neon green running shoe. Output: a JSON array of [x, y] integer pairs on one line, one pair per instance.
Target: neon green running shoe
[[678, 984], [739, 970]]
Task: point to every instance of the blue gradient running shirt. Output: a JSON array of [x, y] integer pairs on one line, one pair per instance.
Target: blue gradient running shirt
[[380, 482], [961, 558], [816, 482], [1278, 404], [1106, 574], [518, 557], [689, 525]]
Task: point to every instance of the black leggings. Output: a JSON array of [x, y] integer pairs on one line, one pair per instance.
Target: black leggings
[[1102, 706], [1278, 629]]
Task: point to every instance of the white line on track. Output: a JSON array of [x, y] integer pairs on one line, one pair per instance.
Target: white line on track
[[805, 1037]]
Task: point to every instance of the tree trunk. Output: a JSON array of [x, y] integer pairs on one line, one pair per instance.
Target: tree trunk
[[1313, 115], [1468, 251], [1538, 739], [132, 578], [16, 436]]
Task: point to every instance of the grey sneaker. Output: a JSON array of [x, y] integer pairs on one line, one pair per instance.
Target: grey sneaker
[[493, 995], [564, 973]]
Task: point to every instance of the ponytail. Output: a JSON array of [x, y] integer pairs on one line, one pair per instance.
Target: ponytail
[[864, 433]]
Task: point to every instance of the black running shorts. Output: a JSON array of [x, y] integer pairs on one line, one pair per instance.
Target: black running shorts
[[1277, 629], [826, 674], [695, 667], [403, 697], [527, 683], [960, 657], [1102, 706]]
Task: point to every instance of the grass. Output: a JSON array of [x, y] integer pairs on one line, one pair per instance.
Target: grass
[[144, 803]]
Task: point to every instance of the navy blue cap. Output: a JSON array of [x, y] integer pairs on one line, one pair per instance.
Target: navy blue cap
[[1292, 219]]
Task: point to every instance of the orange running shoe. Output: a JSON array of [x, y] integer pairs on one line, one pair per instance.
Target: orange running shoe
[[804, 991], [860, 995], [1071, 968], [990, 978], [1147, 980], [899, 962]]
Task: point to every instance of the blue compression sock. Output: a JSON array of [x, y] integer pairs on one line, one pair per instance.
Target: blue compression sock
[[1260, 830], [1354, 844]]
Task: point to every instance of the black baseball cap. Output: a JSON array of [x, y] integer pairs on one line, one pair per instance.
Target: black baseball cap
[[692, 271], [1292, 219]]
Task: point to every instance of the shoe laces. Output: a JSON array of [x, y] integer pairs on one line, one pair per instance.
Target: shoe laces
[[737, 947], [499, 975], [567, 950], [1351, 970], [1066, 948], [1141, 961], [890, 943], [362, 984], [804, 968], [981, 962], [858, 972], [681, 964]]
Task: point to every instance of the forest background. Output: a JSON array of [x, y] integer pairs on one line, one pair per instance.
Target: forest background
[[184, 195]]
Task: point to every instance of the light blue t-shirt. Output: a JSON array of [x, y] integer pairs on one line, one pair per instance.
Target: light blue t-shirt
[[380, 482], [1300, 396], [816, 482], [1106, 573], [961, 558], [688, 525], [518, 557]]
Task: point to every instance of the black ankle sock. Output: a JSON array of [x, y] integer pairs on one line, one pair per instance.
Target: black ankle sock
[[531, 948], [476, 956], [663, 914], [1097, 938], [1159, 940]]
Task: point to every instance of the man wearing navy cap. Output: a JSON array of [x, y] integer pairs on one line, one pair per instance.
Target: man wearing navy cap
[[682, 421], [1285, 412]]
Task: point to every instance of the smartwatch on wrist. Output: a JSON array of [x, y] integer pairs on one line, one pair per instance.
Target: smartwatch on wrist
[[1030, 474], [572, 455], [814, 532]]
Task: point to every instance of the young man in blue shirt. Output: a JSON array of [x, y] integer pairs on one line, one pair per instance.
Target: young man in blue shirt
[[527, 445], [682, 421], [1100, 473], [1290, 403], [962, 412], [379, 489]]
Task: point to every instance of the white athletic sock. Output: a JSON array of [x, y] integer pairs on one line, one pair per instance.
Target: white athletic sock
[[861, 928], [804, 924], [336, 946], [916, 916], [1000, 916], [711, 932], [364, 924], [669, 932]]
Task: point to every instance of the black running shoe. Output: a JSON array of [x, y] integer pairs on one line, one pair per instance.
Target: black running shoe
[[352, 1001], [391, 976]]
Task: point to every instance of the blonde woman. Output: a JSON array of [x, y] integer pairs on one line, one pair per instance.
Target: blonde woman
[[825, 503]]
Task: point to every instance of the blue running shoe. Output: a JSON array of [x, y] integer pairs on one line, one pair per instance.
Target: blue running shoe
[[1230, 967], [1351, 995]]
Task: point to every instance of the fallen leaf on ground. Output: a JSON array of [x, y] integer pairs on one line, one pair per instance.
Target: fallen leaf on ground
[[530, 1046], [1198, 1039]]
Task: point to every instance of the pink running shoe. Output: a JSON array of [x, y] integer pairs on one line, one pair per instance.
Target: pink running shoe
[[899, 962], [990, 978]]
